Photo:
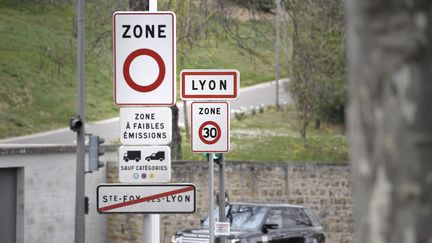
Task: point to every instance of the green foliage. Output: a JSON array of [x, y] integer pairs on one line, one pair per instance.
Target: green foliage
[[268, 137], [38, 60], [318, 82], [261, 5]]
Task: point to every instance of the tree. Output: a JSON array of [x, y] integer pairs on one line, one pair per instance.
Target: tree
[[389, 119], [191, 24], [176, 153], [262, 5], [318, 60]]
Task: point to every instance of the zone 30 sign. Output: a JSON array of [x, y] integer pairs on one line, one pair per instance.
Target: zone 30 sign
[[144, 58], [210, 127]]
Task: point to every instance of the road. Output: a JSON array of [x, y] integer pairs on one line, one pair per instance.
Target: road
[[261, 94]]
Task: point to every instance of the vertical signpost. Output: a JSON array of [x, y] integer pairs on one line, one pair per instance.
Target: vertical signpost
[[80, 170], [144, 77], [210, 119], [144, 73]]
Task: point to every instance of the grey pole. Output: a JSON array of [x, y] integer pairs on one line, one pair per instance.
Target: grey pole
[[222, 216], [151, 222], [80, 165], [277, 52], [211, 199]]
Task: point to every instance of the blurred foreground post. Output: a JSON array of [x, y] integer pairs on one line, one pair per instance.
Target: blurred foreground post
[[390, 119], [80, 140]]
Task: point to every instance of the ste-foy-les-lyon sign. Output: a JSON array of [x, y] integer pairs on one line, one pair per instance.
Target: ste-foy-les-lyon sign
[[144, 58], [136, 198]]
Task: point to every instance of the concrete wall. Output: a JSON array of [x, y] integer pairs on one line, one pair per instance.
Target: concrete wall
[[325, 188]]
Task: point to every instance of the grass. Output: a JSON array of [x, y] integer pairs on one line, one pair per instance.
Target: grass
[[38, 63], [269, 136]]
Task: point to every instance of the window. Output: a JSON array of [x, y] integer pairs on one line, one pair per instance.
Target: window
[[293, 217], [242, 217], [275, 217]]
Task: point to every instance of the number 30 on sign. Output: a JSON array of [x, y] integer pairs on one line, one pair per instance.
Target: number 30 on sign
[[210, 127]]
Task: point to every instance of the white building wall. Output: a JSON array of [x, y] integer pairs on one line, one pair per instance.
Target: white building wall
[[46, 194]]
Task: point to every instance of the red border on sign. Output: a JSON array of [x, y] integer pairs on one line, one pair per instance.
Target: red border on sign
[[195, 73], [146, 185], [173, 58], [145, 199], [228, 127]]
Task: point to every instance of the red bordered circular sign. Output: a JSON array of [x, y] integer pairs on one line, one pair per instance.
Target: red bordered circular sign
[[128, 78]]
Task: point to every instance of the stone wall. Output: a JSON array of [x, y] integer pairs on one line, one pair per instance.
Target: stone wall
[[325, 188]]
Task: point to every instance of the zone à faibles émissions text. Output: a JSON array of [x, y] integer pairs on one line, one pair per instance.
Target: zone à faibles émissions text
[[148, 134]]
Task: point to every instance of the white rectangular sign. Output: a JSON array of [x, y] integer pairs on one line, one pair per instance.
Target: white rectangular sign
[[210, 127], [144, 58], [222, 228], [145, 164], [209, 84], [145, 126], [136, 198]]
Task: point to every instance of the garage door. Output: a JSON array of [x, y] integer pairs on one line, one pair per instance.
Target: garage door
[[8, 200]]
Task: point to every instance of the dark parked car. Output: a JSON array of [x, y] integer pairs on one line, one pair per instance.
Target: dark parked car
[[260, 223]]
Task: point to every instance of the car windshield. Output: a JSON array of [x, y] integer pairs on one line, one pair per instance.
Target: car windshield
[[242, 217]]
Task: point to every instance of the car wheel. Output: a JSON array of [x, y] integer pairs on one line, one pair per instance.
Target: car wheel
[[126, 160], [148, 160], [137, 160], [161, 159]]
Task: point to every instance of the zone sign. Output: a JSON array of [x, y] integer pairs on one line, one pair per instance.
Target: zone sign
[[144, 58], [210, 128]]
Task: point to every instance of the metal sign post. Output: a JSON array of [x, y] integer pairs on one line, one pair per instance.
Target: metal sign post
[[80, 170], [211, 199], [210, 126], [222, 205], [152, 221]]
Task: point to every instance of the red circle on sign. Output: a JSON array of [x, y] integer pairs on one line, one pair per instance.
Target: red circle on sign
[[201, 128], [128, 78]]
